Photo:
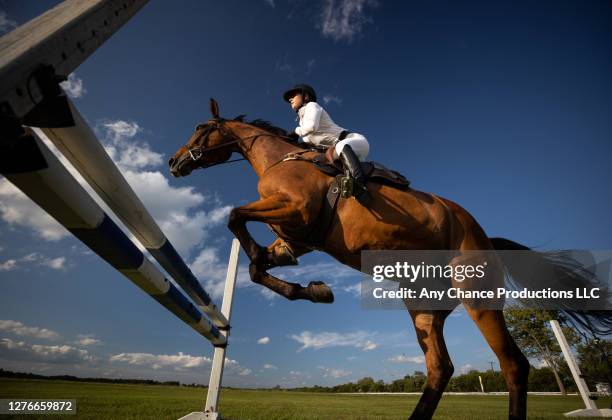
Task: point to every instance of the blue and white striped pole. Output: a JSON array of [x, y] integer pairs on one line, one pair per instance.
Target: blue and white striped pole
[[42, 177], [81, 147]]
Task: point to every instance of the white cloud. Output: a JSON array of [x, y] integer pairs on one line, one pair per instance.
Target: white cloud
[[334, 373], [86, 340], [343, 20], [333, 272], [359, 339], [36, 352], [175, 362], [268, 294], [31, 257], [34, 258], [118, 131], [17, 209], [353, 289], [269, 366], [369, 345], [245, 372], [55, 263], [402, 358], [127, 153], [186, 230], [73, 86], [465, 368], [18, 328], [6, 24], [156, 361], [263, 340], [331, 98], [211, 271], [231, 362], [8, 265]]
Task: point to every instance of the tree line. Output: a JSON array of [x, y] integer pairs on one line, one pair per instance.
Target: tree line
[[532, 333]]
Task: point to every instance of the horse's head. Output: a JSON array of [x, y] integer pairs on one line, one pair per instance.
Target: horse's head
[[210, 144]]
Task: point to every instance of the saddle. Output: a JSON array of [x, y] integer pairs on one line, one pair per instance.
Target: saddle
[[373, 171]]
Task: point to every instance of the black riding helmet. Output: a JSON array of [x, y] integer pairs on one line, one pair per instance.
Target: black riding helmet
[[303, 89]]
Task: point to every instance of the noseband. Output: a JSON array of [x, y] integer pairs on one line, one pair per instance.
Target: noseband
[[197, 153]]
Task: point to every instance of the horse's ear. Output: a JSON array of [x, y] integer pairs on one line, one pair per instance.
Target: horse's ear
[[214, 108]]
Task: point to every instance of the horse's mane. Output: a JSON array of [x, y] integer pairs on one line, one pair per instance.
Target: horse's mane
[[263, 124], [268, 126]]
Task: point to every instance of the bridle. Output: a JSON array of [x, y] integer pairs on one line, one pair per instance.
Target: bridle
[[197, 153]]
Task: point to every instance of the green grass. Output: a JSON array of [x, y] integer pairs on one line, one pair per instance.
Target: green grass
[[121, 401]]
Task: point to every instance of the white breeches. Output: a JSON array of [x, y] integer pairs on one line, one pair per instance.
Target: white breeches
[[358, 143]]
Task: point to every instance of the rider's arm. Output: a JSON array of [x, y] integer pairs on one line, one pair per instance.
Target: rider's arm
[[310, 121]]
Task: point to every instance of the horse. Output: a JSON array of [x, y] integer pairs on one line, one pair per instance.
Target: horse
[[292, 193]]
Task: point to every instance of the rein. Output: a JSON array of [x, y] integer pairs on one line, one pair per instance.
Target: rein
[[196, 153]]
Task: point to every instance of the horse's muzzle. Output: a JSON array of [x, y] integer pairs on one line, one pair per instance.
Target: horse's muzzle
[[178, 167]]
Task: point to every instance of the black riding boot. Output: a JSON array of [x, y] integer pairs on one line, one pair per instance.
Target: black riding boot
[[356, 185]]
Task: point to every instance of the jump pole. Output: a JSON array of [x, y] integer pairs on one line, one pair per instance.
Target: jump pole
[[590, 409], [211, 409]]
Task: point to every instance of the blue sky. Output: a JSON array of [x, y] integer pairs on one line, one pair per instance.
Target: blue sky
[[503, 107]]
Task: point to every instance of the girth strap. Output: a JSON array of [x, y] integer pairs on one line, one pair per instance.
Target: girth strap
[[320, 228]]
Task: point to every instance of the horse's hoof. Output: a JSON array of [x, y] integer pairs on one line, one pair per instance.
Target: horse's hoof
[[319, 292]]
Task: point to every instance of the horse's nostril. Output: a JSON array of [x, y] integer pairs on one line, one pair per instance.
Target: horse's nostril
[[171, 161]]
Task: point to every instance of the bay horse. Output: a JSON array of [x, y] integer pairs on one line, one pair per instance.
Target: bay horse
[[291, 196]]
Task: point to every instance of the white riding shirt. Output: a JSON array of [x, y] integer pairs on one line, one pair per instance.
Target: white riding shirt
[[317, 127]]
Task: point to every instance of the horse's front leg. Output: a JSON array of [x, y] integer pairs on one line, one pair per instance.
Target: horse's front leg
[[273, 209], [278, 211]]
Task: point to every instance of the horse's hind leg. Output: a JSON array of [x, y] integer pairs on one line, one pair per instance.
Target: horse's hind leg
[[514, 365], [429, 327]]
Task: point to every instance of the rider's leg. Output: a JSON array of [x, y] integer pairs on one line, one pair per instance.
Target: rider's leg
[[358, 143], [351, 162], [353, 149]]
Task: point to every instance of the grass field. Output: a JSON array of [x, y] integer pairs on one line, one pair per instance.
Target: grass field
[[120, 401]]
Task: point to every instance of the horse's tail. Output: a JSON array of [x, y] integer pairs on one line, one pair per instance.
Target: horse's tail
[[574, 275]]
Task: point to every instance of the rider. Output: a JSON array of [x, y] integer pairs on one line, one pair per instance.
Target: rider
[[317, 128]]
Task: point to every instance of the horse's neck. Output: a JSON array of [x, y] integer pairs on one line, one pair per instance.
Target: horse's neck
[[264, 150]]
